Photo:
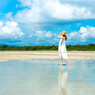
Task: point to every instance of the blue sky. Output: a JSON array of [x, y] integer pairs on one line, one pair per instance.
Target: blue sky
[[39, 22]]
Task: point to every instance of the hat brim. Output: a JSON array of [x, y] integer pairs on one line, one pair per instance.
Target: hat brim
[[62, 33]]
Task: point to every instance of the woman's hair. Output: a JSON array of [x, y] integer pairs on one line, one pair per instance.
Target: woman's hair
[[65, 37]]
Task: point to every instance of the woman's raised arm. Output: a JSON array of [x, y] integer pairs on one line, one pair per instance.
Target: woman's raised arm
[[59, 36]]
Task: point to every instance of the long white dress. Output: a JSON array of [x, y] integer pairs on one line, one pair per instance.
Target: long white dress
[[62, 51]]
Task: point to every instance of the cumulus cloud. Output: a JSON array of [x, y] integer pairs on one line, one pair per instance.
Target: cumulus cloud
[[10, 30], [83, 35], [26, 3], [44, 37], [50, 11], [43, 34]]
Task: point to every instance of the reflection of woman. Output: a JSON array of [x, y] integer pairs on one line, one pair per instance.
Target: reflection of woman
[[62, 79], [62, 48]]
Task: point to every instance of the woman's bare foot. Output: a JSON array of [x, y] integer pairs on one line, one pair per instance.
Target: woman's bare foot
[[60, 65], [68, 67], [68, 62]]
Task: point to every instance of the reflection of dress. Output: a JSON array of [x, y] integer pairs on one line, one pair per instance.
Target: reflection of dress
[[62, 49], [62, 79]]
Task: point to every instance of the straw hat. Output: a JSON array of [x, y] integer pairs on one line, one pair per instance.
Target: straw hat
[[63, 32]]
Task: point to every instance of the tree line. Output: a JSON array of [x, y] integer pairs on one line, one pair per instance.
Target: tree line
[[89, 47]]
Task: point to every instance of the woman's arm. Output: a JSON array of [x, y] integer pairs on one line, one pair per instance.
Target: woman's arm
[[59, 36]]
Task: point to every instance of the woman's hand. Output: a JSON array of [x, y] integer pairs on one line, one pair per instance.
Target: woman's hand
[[59, 36]]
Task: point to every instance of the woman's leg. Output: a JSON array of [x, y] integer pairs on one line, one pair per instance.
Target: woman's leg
[[67, 61], [68, 64], [61, 61]]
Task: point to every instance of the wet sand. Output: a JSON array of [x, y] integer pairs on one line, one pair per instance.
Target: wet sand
[[23, 55]]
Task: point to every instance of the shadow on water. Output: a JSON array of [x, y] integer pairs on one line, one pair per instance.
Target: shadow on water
[[62, 79]]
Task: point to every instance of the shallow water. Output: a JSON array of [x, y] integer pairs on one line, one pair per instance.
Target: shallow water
[[40, 77]]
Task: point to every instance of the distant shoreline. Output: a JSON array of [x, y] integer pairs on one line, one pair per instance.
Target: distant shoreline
[[89, 47], [23, 55]]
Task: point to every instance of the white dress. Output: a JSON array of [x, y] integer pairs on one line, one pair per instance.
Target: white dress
[[62, 49]]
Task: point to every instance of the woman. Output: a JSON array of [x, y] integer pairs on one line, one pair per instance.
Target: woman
[[62, 48]]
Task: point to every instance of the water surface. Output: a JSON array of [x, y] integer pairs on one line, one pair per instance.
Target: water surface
[[40, 77]]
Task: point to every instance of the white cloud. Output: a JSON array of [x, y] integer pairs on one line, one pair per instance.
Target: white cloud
[[26, 3], [67, 11], [39, 11], [9, 15], [45, 36], [1, 24], [10, 30], [48, 34], [83, 35]]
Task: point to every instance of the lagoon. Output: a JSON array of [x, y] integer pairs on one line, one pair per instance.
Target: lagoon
[[40, 77]]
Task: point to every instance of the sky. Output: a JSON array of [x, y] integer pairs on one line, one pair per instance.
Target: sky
[[39, 22]]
